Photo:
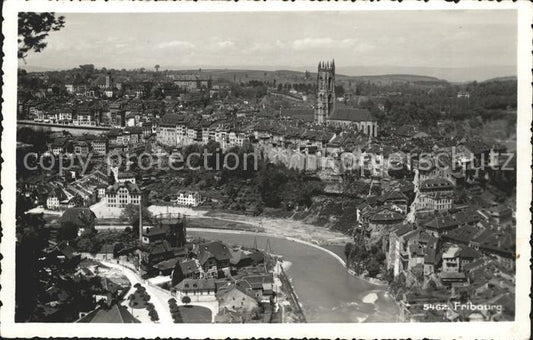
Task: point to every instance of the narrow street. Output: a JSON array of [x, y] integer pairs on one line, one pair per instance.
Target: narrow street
[[411, 215], [158, 297]]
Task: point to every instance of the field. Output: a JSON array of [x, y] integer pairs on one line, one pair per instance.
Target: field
[[193, 314]]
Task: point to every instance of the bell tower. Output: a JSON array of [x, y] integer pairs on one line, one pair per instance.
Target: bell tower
[[325, 95]]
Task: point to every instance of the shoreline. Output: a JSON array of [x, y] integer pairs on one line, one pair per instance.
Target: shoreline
[[293, 239]]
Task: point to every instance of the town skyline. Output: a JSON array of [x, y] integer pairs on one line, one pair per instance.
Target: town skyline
[[175, 41]]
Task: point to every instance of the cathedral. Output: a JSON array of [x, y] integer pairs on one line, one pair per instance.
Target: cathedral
[[327, 111], [325, 97]]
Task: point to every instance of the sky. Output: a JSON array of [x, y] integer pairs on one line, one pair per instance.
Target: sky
[[371, 41]]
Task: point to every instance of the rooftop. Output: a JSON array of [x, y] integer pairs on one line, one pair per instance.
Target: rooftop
[[352, 114]]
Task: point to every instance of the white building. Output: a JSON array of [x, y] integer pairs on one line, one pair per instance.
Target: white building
[[188, 198], [121, 194]]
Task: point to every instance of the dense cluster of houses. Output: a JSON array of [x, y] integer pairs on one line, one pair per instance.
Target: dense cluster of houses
[[236, 279], [79, 290], [431, 237]]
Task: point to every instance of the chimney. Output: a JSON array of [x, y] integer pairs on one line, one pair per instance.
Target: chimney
[[140, 221]]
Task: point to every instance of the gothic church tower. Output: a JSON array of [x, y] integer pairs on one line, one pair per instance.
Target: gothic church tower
[[325, 96]]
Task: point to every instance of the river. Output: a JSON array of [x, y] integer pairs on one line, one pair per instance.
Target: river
[[326, 291]]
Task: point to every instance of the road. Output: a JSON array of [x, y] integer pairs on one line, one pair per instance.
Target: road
[[158, 297], [411, 215]]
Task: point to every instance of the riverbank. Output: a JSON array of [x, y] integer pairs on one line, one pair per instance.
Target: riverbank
[[329, 241], [325, 291], [286, 228]]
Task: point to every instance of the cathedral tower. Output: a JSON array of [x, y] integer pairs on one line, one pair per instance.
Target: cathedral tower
[[325, 95]]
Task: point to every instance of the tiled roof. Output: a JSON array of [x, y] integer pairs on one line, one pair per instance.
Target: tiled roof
[[171, 119], [115, 314], [435, 183], [167, 264], [132, 187], [352, 114], [189, 267], [443, 222], [196, 285], [403, 229], [386, 215], [431, 251], [217, 249]]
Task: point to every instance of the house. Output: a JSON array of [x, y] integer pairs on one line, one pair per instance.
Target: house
[[397, 256], [436, 185], [124, 177], [167, 132], [116, 313], [57, 198], [99, 146], [64, 115], [186, 269], [106, 252], [260, 285], [81, 148], [188, 198], [462, 235], [151, 235], [501, 215], [100, 191], [147, 129], [197, 289], [382, 219], [119, 195], [432, 257], [114, 135], [166, 267], [396, 198], [62, 254], [60, 145], [132, 135], [434, 201], [454, 260], [500, 244], [155, 253], [212, 256], [440, 225], [236, 298], [85, 117], [451, 260]]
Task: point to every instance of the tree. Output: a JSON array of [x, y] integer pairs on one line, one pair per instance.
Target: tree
[[33, 28], [186, 300], [156, 67], [68, 231], [373, 268]]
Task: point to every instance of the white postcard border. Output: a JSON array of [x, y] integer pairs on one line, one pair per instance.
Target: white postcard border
[[504, 330]]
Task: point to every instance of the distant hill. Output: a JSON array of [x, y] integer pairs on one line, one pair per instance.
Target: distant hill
[[397, 78], [508, 78], [288, 76], [450, 74], [30, 68]]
